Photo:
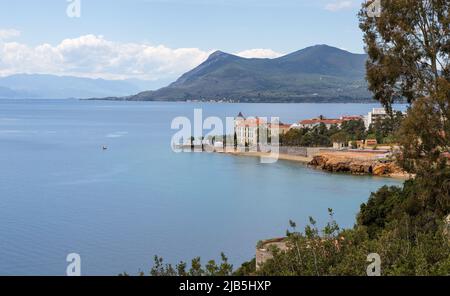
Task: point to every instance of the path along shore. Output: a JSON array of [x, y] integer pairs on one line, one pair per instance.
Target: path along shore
[[300, 159]]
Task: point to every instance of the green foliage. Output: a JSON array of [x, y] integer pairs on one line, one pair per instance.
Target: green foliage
[[355, 129], [404, 247], [405, 226], [408, 48], [409, 54], [340, 137], [402, 225], [320, 136], [381, 205], [197, 269], [386, 130], [317, 253], [246, 269]]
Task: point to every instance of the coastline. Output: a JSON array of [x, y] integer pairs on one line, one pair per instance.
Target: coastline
[[306, 161], [281, 156]]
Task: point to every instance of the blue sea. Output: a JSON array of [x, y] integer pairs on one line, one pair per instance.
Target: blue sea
[[61, 193]]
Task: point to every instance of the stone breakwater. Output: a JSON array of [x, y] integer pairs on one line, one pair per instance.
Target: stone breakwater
[[357, 164]]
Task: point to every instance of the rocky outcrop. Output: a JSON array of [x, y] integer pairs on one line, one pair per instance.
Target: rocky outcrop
[[384, 169], [354, 165]]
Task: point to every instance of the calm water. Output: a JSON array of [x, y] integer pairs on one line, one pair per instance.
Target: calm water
[[60, 193]]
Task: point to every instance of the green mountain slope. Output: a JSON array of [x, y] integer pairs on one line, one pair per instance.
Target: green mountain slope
[[315, 74]]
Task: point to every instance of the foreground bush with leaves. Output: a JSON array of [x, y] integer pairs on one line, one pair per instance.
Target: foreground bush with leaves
[[197, 269], [411, 237], [408, 243]]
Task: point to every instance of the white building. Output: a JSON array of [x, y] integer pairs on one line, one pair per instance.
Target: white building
[[372, 117], [253, 131], [247, 130]]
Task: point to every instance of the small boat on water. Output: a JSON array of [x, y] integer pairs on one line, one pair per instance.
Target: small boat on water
[[105, 147]]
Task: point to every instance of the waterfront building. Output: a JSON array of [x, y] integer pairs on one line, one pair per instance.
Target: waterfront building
[[374, 115], [252, 131], [247, 130], [315, 122]]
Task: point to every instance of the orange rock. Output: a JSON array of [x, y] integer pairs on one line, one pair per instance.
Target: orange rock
[[381, 169], [339, 162]]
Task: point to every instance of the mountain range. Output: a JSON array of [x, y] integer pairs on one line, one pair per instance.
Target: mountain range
[[319, 73], [31, 86]]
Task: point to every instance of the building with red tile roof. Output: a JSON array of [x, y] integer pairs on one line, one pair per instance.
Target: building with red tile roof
[[251, 131]]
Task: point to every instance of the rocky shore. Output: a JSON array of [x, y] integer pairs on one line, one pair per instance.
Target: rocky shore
[[357, 164]]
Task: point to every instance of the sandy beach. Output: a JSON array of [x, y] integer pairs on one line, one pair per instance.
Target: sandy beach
[[300, 159]]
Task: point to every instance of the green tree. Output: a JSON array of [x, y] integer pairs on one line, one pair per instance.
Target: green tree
[[340, 137], [386, 130], [355, 129], [197, 269], [408, 47]]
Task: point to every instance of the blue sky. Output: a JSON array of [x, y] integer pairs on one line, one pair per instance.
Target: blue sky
[[161, 27]]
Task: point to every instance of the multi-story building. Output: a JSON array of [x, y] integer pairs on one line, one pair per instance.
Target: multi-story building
[[254, 131], [372, 117], [247, 130]]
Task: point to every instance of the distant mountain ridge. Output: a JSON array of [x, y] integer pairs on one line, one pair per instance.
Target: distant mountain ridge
[[30, 86], [319, 73]]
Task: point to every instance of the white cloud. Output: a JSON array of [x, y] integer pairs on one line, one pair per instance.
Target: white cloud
[[96, 57], [259, 53], [339, 5], [8, 33]]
